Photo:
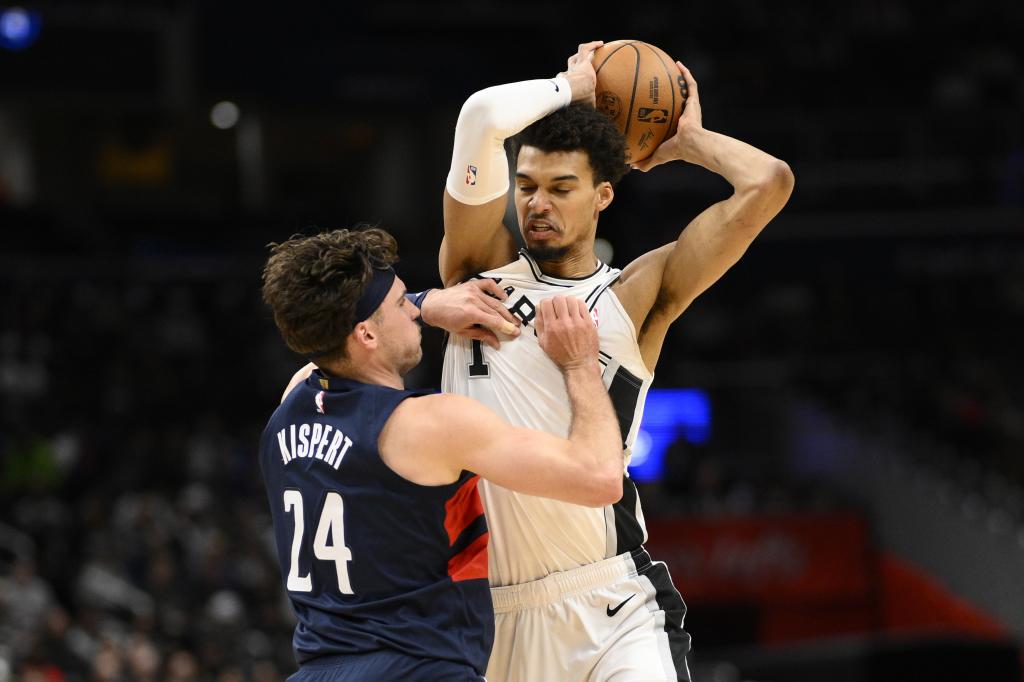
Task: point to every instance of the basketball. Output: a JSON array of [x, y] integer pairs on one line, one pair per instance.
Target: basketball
[[640, 88]]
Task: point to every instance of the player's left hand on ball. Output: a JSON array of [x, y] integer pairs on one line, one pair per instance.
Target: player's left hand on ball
[[690, 122], [580, 72], [472, 309]]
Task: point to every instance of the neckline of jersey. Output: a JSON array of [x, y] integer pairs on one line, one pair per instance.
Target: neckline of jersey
[[317, 379], [540, 276], [321, 380]]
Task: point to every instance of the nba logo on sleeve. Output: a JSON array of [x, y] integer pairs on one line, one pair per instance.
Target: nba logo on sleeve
[[470, 175], [594, 317], [319, 400]]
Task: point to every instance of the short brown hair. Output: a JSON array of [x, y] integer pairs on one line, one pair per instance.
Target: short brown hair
[[312, 284]]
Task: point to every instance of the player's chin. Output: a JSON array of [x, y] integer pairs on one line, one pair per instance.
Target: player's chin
[[543, 249], [410, 361]]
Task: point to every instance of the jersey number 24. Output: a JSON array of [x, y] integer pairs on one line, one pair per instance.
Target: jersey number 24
[[331, 525]]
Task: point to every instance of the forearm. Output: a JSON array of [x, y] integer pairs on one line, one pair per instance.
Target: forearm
[[479, 170], [504, 110], [742, 165], [595, 428]]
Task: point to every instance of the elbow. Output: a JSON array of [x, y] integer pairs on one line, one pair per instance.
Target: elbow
[[783, 176], [478, 113], [614, 493], [607, 489], [764, 197], [777, 181]]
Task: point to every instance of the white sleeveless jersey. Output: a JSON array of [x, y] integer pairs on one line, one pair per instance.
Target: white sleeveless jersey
[[532, 537]]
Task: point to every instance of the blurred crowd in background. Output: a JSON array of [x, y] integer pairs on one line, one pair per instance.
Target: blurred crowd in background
[[138, 364]]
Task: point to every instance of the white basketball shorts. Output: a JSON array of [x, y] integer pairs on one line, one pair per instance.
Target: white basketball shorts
[[617, 620]]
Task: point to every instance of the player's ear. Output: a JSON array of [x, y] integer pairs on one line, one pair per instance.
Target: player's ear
[[365, 336], [605, 194]]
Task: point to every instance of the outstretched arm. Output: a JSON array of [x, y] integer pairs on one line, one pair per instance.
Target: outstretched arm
[[472, 309], [659, 286], [475, 193]]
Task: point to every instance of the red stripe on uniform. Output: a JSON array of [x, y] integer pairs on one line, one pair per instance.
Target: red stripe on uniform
[[470, 563], [462, 509]]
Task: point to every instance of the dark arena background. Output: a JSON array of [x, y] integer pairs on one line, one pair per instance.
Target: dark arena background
[[832, 462]]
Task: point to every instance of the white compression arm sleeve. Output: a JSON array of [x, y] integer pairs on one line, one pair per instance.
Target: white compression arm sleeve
[[479, 171]]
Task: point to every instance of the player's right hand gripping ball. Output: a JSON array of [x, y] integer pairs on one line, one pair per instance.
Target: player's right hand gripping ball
[[640, 88]]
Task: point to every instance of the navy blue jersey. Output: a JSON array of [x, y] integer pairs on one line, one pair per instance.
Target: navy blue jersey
[[370, 560]]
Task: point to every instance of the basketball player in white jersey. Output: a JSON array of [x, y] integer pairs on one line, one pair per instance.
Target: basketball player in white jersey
[[576, 596]]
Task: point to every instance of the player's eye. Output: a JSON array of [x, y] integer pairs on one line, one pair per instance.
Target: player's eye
[[560, 190], [527, 188]]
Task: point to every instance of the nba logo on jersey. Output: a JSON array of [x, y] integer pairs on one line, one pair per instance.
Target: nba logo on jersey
[[594, 317], [319, 400], [470, 175]]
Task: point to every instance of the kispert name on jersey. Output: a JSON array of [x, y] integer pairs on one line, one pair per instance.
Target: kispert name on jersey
[[371, 560], [309, 440], [533, 536]]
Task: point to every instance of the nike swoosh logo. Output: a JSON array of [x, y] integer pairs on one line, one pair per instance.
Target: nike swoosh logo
[[611, 612], [556, 86]]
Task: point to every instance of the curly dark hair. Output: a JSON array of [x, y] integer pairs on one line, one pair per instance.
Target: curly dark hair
[[312, 284], [579, 126]]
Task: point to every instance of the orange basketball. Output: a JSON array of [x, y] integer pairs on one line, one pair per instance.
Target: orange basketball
[[641, 89]]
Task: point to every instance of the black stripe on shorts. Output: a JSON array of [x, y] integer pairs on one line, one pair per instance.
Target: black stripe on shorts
[[669, 601]]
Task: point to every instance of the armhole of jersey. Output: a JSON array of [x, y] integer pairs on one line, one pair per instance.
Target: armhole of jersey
[[648, 375], [394, 475], [595, 293], [621, 309]]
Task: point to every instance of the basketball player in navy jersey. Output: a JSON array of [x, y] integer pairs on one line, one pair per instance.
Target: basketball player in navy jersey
[[373, 488], [573, 586]]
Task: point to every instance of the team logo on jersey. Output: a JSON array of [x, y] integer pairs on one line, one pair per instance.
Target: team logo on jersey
[[594, 317], [470, 175], [319, 400]]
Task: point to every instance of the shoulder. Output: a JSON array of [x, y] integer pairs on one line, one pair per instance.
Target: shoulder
[[516, 266], [652, 262], [638, 286], [475, 238], [446, 420], [417, 441], [438, 430], [503, 268], [297, 379], [437, 411]]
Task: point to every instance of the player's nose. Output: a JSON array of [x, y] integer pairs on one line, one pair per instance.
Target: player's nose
[[540, 202]]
